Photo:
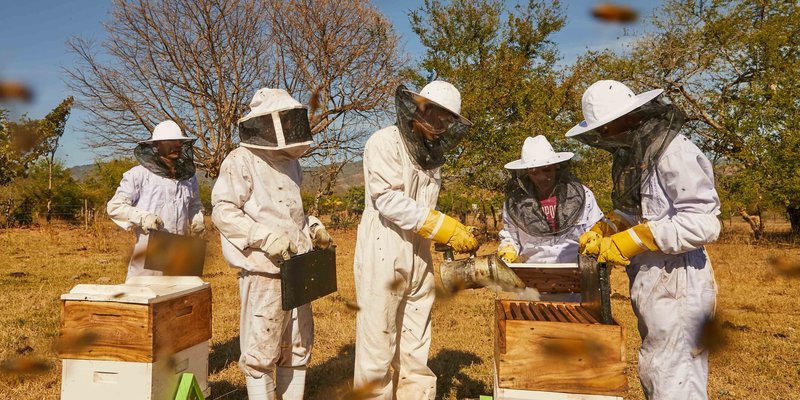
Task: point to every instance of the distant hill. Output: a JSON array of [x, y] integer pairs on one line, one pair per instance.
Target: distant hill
[[81, 172], [352, 175]]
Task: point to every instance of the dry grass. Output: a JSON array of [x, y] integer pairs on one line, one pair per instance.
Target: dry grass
[[762, 360]]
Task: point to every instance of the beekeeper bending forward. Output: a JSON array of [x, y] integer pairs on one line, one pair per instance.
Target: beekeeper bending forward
[[393, 271], [546, 207], [664, 187], [259, 213], [159, 194]]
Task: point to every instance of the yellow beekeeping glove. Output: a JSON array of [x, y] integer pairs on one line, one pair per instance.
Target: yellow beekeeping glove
[[588, 243], [447, 230], [611, 223], [507, 253], [620, 247]]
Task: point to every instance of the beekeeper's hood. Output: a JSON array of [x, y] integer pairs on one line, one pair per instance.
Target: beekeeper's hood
[[430, 154], [276, 121], [522, 197], [637, 148], [147, 154]]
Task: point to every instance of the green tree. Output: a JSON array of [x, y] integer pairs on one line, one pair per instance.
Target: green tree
[[51, 129], [354, 199], [47, 189], [733, 67], [101, 184], [20, 146], [503, 62]]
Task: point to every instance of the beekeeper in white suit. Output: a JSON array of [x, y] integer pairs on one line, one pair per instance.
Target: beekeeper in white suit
[[393, 270], [259, 213], [546, 207], [664, 188], [159, 194]]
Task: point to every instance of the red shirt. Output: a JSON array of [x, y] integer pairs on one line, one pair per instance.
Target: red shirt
[[549, 209]]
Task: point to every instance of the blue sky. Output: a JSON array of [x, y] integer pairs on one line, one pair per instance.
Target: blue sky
[[33, 48]]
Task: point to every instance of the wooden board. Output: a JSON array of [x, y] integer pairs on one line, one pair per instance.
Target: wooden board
[[134, 332], [595, 288], [115, 331], [568, 357], [307, 277], [175, 255], [551, 280], [182, 322]]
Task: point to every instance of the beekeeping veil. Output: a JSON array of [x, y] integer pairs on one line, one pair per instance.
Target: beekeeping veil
[[276, 121], [635, 150], [430, 154], [147, 153], [522, 197]]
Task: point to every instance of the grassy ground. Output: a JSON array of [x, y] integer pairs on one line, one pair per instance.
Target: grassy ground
[[759, 311]]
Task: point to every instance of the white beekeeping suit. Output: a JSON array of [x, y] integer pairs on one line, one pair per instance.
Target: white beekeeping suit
[[158, 194], [259, 213], [673, 207], [541, 227], [393, 271]]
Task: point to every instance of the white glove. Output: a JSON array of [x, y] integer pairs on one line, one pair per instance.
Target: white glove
[[281, 247], [320, 237], [152, 222], [198, 227]]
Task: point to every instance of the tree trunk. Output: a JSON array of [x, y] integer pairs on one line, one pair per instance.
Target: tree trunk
[[756, 222], [793, 210], [49, 189]]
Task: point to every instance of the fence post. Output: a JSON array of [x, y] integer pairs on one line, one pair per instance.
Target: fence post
[[85, 214]]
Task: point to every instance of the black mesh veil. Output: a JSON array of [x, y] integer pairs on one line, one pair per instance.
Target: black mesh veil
[[147, 155], [427, 154], [637, 150], [260, 130], [523, 207]]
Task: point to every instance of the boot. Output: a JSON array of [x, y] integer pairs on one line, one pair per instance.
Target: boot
[[291, 383], [262, 388]]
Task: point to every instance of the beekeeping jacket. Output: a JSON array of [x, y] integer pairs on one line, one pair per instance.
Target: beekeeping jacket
[[673, 292], [536, 245], [393, 264], [256, 200], [149, 189]]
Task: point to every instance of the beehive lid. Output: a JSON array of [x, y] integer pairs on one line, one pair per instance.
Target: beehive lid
[[138, 290]]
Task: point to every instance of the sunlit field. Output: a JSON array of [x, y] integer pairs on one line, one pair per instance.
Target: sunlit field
[[759, 315]]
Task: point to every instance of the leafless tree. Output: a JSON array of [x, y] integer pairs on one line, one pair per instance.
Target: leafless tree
[[198, 62], [343, 56], [191, 61]]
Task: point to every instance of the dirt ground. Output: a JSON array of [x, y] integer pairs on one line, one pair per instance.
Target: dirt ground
[[758, 308]]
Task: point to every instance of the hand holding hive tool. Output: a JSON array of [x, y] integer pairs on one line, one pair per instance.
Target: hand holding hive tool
[[476, 272]]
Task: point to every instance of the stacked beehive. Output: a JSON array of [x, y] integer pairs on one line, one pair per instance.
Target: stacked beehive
[[140, 338], [559, 350]]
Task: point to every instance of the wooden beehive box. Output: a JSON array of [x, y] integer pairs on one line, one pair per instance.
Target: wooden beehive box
[[139, 321], [554, 347], [558, 347]]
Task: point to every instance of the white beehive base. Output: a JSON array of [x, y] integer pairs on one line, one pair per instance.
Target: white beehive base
[[120, 380]]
